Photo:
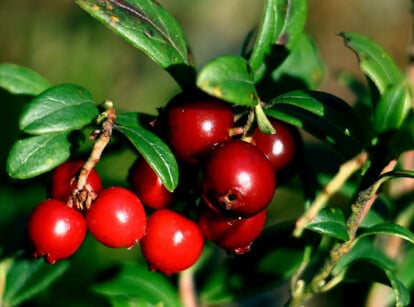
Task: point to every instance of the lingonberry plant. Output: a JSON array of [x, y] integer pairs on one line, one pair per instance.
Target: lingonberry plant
[[213, 154]]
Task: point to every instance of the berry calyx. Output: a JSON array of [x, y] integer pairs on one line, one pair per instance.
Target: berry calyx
[[172, 243], [56, 230], [238, 179], [194, 122], [117, 218], [148, 186]]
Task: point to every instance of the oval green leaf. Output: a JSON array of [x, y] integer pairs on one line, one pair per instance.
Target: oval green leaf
[[389, 229], [151, 147], [149, 27], [36, 155], [330, 222], [326, 116], [229, 78], [21, 80], [136, 283], [62, 108]]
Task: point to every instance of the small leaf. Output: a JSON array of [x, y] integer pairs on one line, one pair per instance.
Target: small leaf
[[229, 78], [393, 107], [146, 25], [21, 80], [36, 155], [402, 295], [388, 229], [26, 278], [263, 122], [62, 108], [330, 222], [134, 283], [152, 148], [373, 60]]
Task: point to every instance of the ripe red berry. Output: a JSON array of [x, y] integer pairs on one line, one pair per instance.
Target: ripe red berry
[[279, 147], [232, 234], [172, 243], [148, 186], [238, 179], [61, 184], [117, 218], [194, 122], [56, 230]]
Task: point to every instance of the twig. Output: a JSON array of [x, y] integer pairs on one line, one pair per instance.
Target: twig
[[187, 289]]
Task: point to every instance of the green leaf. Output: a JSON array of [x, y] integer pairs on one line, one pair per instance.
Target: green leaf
[[373, 61], [402, 295], [263, 122], [214, 290], [330, 222], [26, 278], [229, 78], [62, 108], [151, 147], [36, 155], [146, 25], [134, 283], [393, 107], [325, 116], [388, 229], [21, 80]]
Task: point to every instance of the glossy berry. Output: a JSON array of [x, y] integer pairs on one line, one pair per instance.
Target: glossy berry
[[279, 147], [56, 230], [194, 122], [232, 234], [117, 218], [61, 184], [148, 186], [238, 179], [172, 243]]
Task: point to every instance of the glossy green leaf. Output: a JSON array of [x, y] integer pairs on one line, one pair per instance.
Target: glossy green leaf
[[148, 26], [36, 155], [330, 222], [62, 108], [21, 80], [393, 107], [26, 278], [389, 229], [134, 283], [229, 78], [325, 116], [402, 295], [151, 147], [373, 61]]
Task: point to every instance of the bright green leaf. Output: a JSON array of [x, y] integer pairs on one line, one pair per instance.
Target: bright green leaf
[[388, 229], [36, 155], [229, 78], [134, 283], [146, 25], [151, 147], [62, 108], [263, 122], [21, 80], [330, 222], [402, 295]]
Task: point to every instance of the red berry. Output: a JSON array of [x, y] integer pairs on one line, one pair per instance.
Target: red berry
[[61, 184], [232, 234], [194, 122], [238, 179], [148, 186], [56, 230], [279, 147], [173, 242], [117, 218]]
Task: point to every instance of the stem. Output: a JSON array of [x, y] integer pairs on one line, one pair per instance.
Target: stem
[[187, 289]]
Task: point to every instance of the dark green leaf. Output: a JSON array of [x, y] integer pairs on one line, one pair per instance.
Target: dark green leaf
[[134, 283], [330, 222], [152, 148], [21, 80], [290, 258], [403, 139], [62, 108], [149, 27], [229, 78], [402, 295], [214, 291], [26, 278], [321, 114], [373, 61], [393, 107], [389, 229], [36, 155]]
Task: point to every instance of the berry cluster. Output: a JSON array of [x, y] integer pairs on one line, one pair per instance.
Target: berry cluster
[[234, 183]]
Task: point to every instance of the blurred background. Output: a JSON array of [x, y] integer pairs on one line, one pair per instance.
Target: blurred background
[[64, 44]]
